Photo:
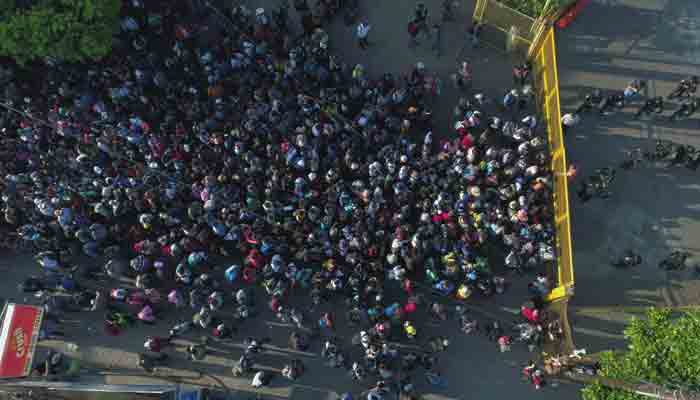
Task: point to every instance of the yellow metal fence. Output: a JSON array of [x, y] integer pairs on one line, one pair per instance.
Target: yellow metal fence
[[546, 82], [536, 39], [504, 27]]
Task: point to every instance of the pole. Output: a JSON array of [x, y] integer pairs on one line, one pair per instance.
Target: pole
[[545, 9], [649, 390]]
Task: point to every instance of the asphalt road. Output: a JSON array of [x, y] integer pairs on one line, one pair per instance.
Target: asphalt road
[[653, 209]]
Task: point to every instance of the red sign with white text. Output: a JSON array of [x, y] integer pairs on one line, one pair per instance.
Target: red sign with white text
[[18, 336]]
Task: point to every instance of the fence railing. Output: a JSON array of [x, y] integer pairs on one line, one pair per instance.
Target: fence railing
[[546, 83], [535, 39], [504, 27]]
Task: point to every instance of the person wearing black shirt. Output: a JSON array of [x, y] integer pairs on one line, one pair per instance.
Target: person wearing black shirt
[[655, 104], [686, 109], [421, 18]]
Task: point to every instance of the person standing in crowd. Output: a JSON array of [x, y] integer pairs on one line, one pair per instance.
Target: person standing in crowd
[[521, 73], [261, 18], [420, 18], [568, 121], [436, 34], [655, 105], [448, 11], [571, 172], [362, 33], [412, 33], [510, 100]]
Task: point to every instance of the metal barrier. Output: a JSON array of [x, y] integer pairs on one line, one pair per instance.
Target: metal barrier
[[536, 40], [504, 27], [546, 82]]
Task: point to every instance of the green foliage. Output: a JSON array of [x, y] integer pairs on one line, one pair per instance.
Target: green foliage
[[6, 6], [662, 350], [534, 8], [70, 30]]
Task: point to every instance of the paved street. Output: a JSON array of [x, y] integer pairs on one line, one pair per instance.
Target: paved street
[[653, 210]]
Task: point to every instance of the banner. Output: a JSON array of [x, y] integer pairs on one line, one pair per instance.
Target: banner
[[20, 331]]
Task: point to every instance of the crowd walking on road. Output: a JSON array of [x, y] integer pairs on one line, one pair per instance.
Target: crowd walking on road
[[257, 172]]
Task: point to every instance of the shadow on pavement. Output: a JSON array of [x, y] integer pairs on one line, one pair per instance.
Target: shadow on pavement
[[653, 209]]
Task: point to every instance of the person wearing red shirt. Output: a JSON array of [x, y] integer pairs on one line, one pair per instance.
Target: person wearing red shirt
[[530, 313]]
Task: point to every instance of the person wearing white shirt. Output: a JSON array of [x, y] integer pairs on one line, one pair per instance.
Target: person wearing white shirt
[[363, 29], [569, 120]]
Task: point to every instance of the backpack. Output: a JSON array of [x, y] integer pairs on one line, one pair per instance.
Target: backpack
[[412, 28]]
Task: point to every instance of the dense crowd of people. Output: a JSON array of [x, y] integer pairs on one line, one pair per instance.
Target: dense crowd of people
[[203, 170]]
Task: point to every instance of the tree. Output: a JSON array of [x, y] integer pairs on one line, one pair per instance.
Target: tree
[[69, 30], [663, 350]]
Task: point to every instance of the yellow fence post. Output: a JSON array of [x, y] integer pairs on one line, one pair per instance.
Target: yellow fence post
[[479, 10], [539, 29], [546, 75]]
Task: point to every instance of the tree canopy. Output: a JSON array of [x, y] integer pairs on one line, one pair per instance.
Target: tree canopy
[[662, 350], [70, 30]]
